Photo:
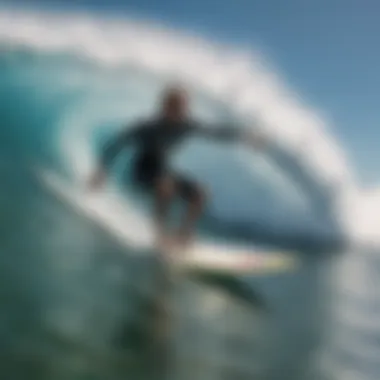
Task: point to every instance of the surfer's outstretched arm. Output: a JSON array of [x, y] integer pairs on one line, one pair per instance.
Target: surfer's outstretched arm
[[231, 134], [110, 151], [218, 133]]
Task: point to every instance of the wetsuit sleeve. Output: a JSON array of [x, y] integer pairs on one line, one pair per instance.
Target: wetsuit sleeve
[[221, 132], [114, 147]]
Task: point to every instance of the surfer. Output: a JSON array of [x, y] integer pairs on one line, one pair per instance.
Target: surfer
[[155, 139]]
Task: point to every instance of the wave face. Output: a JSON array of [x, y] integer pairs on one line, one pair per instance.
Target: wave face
[[67, 82], [70, 89]]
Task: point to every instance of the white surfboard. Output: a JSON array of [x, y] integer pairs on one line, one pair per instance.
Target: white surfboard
[[110, 210]]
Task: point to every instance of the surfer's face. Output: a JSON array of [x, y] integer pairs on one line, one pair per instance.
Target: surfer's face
[[175, 105]]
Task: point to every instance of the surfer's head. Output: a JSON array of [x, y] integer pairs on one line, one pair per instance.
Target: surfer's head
[[175, 103]]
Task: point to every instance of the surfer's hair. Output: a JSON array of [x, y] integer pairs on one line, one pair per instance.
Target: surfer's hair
[[173, 94]]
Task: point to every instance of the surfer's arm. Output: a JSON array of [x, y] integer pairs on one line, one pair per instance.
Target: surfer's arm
[[110, 151], [218, 133], [228, 133], [115, 146]]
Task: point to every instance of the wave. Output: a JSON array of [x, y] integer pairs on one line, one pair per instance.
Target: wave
[[110, 70], [69, 80]]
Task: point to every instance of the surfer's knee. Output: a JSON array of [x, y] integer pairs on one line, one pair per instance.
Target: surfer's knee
[[165, 188]]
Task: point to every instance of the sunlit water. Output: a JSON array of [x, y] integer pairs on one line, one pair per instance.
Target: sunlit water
[[73, 301]]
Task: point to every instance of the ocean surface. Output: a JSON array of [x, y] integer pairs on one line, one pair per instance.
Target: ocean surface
[[75, 302]]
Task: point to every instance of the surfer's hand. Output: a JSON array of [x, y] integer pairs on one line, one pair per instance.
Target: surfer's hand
[[97, 180]]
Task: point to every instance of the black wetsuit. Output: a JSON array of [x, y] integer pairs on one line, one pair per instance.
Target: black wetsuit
[[155, 140]]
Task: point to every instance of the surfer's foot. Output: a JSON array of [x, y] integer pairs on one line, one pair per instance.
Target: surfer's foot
[[184, 239], [163, 242]]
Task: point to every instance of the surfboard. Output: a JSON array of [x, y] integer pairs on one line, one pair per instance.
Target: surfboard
[[112, 212]]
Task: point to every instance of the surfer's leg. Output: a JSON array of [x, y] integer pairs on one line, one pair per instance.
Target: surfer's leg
[[195, 199], [164, 194], [157, 183]]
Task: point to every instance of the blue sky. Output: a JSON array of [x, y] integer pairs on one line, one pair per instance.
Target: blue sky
[[327, 50]]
